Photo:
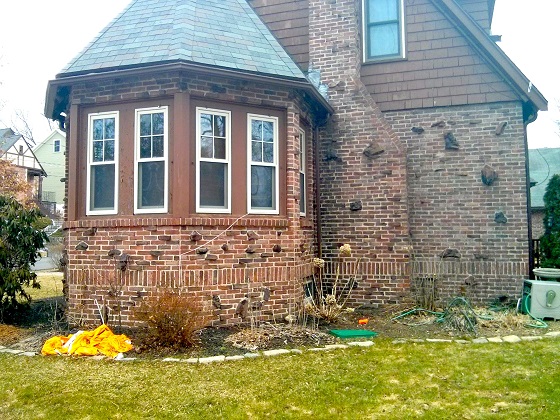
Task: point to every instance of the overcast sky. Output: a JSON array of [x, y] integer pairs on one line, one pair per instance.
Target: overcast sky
[[38, 38]]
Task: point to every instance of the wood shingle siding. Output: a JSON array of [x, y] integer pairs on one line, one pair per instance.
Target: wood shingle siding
[[289, 22], [441, 68]]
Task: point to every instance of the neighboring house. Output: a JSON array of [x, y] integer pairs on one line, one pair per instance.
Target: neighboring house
[[205, 157], [50, 153], [543, 164], [15, 149]]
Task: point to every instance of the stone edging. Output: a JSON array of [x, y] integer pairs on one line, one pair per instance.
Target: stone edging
[[271, 353]]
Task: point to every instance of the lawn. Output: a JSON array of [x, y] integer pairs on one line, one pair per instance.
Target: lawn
[[386, 381], [51, 285]]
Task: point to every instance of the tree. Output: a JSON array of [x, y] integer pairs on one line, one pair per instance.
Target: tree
[[20, 242], [550, 242]]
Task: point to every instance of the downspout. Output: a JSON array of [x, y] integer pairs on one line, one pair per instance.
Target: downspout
[[317, 189], [529, 116]]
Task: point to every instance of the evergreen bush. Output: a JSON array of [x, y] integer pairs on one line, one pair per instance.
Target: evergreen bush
[[550, 241]]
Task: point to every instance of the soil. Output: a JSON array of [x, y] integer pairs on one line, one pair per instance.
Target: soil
[[37, 324]]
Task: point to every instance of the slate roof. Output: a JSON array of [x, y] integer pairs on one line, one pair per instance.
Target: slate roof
[[7, 139], [543, 164], [221, 33]]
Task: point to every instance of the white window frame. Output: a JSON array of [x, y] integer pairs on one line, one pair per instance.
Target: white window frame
[[54, 145], [302, 171], [274, 120], [137, 160], [227, 160], [91, 118], [365, 38]]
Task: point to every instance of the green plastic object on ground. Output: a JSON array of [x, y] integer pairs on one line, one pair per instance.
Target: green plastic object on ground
[[352, 333]]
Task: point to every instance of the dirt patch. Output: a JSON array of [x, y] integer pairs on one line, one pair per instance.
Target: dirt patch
[[388, 322]]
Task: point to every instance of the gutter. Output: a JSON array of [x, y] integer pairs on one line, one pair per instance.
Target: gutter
[[66, 81]]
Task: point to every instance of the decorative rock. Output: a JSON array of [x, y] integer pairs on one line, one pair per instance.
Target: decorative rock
[[216, 302], [242, 308], [318, 349], [336, 346], [90, 232], [373, 150], [2, 347], [417, 130], [399, 341], [277, 248], [251, 355], [201, 251], [252, 236], [330, 155], [296, 351], [501, 127], [195, 236], [212, 359], [511, 339], [11, 351], [225, 247], [191, 360], [451, 253], [126, 359], [228, 358], [266, 294], [450, 141], [438, 340], [99, 357], [113, 252], [480, 340], [462, 341], [495, 340], [361, 343], [171, 359], [356, 205], [552, 334], [438, 124], [417, 340], [531, 338], [269, 353], [250, 250], [82, 246], [28, 354], [499, 217], [488, 175]]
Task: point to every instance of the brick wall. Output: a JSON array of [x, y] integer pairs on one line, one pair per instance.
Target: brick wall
[[362, 161], [236, 256], [451, 208]]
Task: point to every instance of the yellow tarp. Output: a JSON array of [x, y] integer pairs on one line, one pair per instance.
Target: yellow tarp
[[88, 343]]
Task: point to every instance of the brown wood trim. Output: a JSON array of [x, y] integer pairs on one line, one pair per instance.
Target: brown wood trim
[[72, 149]]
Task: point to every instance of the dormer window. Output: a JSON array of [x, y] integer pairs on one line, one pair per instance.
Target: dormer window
[[383, 29]]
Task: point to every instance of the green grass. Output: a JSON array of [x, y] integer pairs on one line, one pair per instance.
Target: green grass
[[51, 285], [386, 381]]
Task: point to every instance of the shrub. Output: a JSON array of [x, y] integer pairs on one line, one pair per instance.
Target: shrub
[[172, 320], [550, 242], [20, 242]]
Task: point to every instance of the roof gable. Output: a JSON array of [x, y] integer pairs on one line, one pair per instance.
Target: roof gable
[[56, 133], [221, 33]]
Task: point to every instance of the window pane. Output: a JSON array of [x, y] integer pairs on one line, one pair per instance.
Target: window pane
[[256, 130], [268, 152], [262, 187], [109, 128], [382, 10], [206, 124], [102, 187], [256, 151], [151, 176], [97, 151], [157, 120], [302, 193], [219, 148], [145, 125], [109, 150], [145, 148], [268, 131], [157, 146], [98, 129], [219, 126], [206, 147], [213, 184], [384, 40]]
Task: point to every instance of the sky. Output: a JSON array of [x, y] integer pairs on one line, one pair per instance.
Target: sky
[[38, 38]]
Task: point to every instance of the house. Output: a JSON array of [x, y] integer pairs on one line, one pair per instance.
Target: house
[[50, 153], [15, 149], [216, 147]]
